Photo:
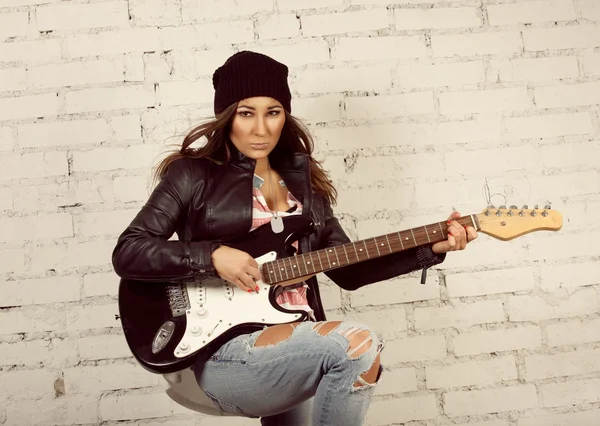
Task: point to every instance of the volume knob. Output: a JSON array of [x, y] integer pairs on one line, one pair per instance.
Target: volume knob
[[202, 312], [196, 330]]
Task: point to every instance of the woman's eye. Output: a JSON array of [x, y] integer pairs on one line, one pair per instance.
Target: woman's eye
[[274, 113], [245, 113]]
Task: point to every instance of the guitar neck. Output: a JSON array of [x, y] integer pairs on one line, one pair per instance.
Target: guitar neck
[[314, 262]]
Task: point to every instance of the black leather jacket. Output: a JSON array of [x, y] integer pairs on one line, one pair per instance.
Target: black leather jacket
[[206, 203]]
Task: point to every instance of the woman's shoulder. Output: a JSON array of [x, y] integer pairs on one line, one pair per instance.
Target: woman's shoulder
[[194, 167]]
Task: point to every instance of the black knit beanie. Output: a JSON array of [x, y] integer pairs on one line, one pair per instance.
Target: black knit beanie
[[247, 74]]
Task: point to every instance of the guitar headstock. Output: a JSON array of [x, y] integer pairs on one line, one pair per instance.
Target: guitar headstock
[[509, 223]]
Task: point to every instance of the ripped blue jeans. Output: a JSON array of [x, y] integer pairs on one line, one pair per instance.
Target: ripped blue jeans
[[327, 368]]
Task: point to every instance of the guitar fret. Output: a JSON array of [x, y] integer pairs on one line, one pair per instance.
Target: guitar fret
[[336, 256], [320, 262], [388, 242], [347, 258], [441, 229], [301, 257], [327, 255], [400, 238], [413, 235], [311, 262], [366, 249], [355, 251], [377, 246], [290, 267], [284, 269], [427, 233]]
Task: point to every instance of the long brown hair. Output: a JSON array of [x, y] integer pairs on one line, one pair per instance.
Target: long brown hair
[[295, 137]]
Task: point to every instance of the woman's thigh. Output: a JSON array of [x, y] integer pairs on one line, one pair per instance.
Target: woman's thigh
[[268, 373]]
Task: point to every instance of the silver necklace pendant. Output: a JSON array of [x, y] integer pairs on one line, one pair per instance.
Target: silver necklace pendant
[[277, 224]]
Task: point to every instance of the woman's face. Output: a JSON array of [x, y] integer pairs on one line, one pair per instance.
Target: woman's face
[[257, 126]]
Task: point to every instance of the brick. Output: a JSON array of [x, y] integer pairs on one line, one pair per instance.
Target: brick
[[573, 332], [459, 315], [565, 37], [314, 51], [344, 22], [194, 10], [252, 7], [13, 79], [278, 26], [490, 282], [134, 156], [390, 106], [39, 291], [490, 400], [105, 223], [14, 3], [130, 188], [102, 99], [126, 127], [60, 133], [388, 323], [43, 197], [155, 13], [565, 96], [536, 308], [548, 125], [375, 78], [589, 9], [438, 18], [352, 137], [380, 48], [90, 15], [6, 199], [34, 228], [14, 24], [109, 346], [447, 193], [27, 384], [490, 423], [113, 42], [207, 61], [402, 410], [591, 65], [569, 276], [77, 73], [539, 367], [31, 319], [133, 407], [397, 168], [581, 418], [39, 164], [101, 284], [582, 244], [529, 12], [62, 411], [398, 380], [486, 372], [358, 201], [31, 51], [440, 75], [485, 101], [307, 4], [92, 316], [185, 92], [505, 43], [495, 161], [52, 352], [94, 380], [29, 106], [7, 140], [320, 109], [62, 257], [570, 393], [13, 260], [207, 34], [414, 349], [488, 341], [535, 69]]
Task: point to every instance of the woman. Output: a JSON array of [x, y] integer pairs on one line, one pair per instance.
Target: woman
[[255, 168]]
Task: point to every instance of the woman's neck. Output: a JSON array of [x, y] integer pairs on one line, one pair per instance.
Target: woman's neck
[[262, 167]]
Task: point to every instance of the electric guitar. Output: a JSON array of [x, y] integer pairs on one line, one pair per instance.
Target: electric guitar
[[168, 325]]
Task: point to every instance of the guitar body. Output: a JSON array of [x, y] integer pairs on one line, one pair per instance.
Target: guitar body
[[169, 326]]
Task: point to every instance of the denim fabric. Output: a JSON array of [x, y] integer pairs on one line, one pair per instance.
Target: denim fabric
[[283, 383]]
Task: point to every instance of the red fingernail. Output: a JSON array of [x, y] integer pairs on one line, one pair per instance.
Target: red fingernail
[[249, 291], [256, 289]]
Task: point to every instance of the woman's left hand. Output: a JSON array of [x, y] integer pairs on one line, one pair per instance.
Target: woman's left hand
[[458, 236]]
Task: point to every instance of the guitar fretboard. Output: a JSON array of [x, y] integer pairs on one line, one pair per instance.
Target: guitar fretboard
[[317, 261]]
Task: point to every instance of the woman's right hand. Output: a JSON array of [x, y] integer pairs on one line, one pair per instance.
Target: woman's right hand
[[236, 266]]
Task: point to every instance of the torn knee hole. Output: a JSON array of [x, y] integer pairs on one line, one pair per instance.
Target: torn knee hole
[[275, 334], [326, 327], [370, 376]]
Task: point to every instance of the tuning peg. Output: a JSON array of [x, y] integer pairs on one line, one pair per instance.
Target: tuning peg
[[525, 207], [513, 207], [502, 207], [536, 207], [548, 207], [491, 206]]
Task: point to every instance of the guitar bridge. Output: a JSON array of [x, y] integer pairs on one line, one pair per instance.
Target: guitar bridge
[[179, 301]]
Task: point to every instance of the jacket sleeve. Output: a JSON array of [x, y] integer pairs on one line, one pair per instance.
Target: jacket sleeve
[[352, 277], [143, 251]]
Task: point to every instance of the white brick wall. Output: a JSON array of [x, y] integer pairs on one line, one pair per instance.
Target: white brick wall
[[414, 104]]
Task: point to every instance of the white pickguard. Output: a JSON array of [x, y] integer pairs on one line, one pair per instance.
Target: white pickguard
[[217, 306]]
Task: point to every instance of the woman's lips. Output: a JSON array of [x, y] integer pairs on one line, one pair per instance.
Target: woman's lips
[[259, 145]]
